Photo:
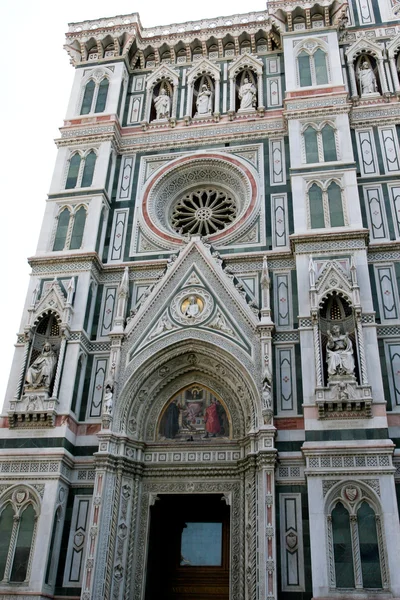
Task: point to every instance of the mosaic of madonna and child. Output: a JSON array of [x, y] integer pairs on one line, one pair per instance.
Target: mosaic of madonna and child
[[194, 414]]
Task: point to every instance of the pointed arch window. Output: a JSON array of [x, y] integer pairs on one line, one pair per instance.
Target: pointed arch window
[[102, 96], [78, 228], [312, 66], [326, 206], [354, 531], [81, 170], [62, 229], [95, 96], [70, 229], [88, 97], [73, 171], [304, 65], [17, 534], [320, 143], [321, 71], [88, 169]]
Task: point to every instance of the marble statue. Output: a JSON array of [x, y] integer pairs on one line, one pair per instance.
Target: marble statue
[[192, 309], [220, 324], [162, 104], [204, 101], [266, 396], [267, 386], [339, 353], [247, 95], [367, 79], [108, 400], [41, 371], [163, 325]]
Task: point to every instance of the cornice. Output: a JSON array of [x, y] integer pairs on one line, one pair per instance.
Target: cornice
[[301, 241], [127, 139]]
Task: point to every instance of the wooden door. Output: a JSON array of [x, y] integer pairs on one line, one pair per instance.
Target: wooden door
[[188, 555]]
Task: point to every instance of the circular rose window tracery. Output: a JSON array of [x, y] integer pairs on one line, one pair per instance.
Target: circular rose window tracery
[[203, 212]]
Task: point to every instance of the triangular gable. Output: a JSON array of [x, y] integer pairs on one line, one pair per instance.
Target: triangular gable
[[53, 299], [195, 278], [363, 44], [164, 71], [203, 67], [246, 61]]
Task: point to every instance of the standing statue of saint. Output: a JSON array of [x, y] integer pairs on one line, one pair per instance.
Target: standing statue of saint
[[204, 101], [247, 95], [162, 104], [367, 79], [339, 353], [41, 371]]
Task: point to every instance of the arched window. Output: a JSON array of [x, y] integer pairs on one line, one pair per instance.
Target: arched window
[[355, 528], [320, 143], [73, 171], [88, 169], [312, 67], [311, 145], [102, 96], [316, 207], [78, 228], [70, 229], [304, 69], [321, 71], [369, 549], [95, 96], [329, 143], [62, 229], [88, 97], [81, 170], [326, 206], [335, 205], [18, 517], [23, 545], [6, 527]]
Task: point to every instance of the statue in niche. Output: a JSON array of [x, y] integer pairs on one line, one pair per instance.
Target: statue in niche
[[339, 353], [108, 400], [41, 372], [367, 79], [204, 101], [162, 104], [267, 386], [247, 95]]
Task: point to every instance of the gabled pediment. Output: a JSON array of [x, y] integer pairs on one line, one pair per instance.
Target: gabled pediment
[[195, 297], [332, 278], [52, 300], [364, 45], [393, 47], [164, 71], [203, 67], [246, 61]]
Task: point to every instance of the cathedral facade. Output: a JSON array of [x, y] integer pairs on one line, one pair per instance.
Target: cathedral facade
[[205, 396]]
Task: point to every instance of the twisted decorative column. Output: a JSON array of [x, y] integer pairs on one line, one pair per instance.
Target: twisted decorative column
[[317, 351], [21, 376], [361, 349], [395, 75], [59, 365]]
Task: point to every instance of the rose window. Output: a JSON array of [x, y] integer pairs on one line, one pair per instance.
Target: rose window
[[203, 212]]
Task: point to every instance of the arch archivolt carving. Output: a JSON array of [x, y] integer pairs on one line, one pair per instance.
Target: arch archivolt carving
[[151, 386]]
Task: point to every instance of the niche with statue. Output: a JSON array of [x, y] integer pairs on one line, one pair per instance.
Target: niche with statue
[[342, 389]]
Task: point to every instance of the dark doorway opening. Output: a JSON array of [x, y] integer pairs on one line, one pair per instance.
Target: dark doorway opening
[[188, 555]]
